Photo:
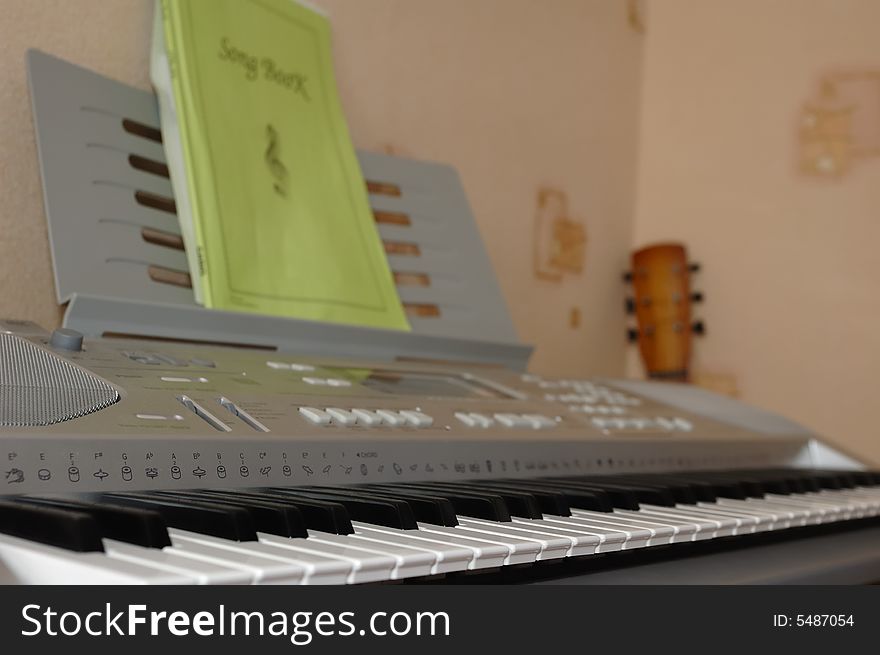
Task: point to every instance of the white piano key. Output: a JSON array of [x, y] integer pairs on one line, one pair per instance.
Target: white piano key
[[660, 534], [484, 555], [780, 519], [167, 560], [548, 547], [829, 511], [870, 502], [683, 531], [447, 558], [774, 517], [873, 492], [321, 569], [862, 494], [552, 546], [581, 541], [610, 540], [410, 562], [724, 526], [516, 551], [266, 568], [738, 524], [31, 563], [854, 507], [706, 528], [363, 566], [753, 520], [793, 514], [636, 536]]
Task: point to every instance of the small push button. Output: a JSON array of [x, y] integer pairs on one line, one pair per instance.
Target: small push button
[[367, 417], [539, 421], [482, 420], [512, 420], [466, 418], [342, 416], [416, 418], [390, 418], [315, 415], [683, 424]]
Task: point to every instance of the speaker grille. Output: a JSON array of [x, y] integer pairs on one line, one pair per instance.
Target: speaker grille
[[39, 388]]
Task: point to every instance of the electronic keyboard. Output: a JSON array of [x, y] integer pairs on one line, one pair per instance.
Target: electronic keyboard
[[162, 462]]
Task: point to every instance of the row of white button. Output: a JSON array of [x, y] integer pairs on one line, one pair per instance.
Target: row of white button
[[290, 366], [533, 421], [659, 423], [327, 382], [587, 392], [597, 409], [367, 417]]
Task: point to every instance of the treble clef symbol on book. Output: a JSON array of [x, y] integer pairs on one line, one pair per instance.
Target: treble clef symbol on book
[[276, 167]]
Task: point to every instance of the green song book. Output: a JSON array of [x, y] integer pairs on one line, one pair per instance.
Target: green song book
[[272, 204]]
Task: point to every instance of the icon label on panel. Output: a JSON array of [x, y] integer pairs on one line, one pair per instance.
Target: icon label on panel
[[14, 476]]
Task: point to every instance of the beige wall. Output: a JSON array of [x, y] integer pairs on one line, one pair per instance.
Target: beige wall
[[790, 262], [514, 93], [111, 37]]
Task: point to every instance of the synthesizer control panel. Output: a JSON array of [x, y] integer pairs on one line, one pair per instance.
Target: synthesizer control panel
[[106, 414]]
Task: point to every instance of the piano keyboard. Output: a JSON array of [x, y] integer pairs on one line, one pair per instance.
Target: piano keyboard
[[405, 531]]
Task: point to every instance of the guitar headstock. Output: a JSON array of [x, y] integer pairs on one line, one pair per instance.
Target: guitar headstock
[[662, 302]]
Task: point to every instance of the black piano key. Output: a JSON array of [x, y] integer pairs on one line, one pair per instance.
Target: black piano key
[[847, 479], [426, 508], [215, 519], [550, 502], [129, 524], [476, 505], [580, 496], [618, 498], [767, 484], [797, 483], [828, 480], [681, 493], [718, 487], [703, 491], [519, 503], [727, 486], [269, 517], [53, 526], [863, 478], [319, 515], [810, 480], [577, 496], [387, 512], [806, 481], [648, 495]]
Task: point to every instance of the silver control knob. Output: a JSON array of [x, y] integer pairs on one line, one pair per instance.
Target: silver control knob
[[66, 339]]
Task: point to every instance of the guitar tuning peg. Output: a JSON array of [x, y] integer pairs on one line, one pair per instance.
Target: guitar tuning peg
[[697, 296], [632, 335], [698, 327], [694, 267], [630, 305], [628, 276]]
